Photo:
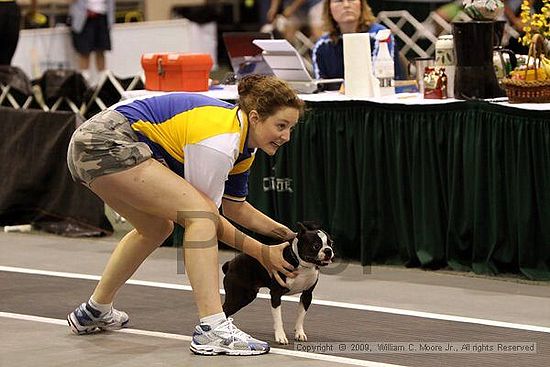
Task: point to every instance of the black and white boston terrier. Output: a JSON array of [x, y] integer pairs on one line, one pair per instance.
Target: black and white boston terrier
[[244, 276]]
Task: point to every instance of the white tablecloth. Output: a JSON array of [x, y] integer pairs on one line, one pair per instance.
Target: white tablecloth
[[229, 92]]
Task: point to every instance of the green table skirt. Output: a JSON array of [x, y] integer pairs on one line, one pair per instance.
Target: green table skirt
[[465, 185]]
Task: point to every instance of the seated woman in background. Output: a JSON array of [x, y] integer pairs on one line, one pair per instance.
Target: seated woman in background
[[345, 16]]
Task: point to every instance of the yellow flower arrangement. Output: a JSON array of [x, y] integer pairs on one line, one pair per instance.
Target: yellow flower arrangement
[[535, 22]]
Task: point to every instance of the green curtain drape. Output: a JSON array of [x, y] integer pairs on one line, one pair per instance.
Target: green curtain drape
[[461, 184]]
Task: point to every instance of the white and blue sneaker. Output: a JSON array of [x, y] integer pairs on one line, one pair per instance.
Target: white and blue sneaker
[[86, 319], [225, 338]]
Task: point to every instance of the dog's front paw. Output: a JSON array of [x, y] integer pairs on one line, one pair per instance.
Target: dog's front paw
[[280, 337], [300, 335]]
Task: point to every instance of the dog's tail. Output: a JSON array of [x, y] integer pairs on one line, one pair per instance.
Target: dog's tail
[[225, 267]]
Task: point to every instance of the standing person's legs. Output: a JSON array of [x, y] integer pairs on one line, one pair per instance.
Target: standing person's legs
[[151, 196], [82, 43], [102, 40], [100, 60], [10, 19], [83, 61]]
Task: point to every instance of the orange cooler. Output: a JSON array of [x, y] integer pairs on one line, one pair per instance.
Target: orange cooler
[[172, 72]]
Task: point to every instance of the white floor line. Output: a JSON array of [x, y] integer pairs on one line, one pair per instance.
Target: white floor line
[[353, 306], [157, 334]]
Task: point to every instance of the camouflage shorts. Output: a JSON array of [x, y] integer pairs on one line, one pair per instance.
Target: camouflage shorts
[[104, 144]]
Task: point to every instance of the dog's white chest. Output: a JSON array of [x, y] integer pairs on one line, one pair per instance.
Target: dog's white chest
[[304, 280]]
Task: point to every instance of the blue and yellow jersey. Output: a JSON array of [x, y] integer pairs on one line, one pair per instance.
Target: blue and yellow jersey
[[191, 132]]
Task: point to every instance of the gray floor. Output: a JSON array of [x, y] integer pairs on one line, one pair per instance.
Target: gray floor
[[170, 311]]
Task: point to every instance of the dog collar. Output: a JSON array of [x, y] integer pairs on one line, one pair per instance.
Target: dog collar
[[294, 252]]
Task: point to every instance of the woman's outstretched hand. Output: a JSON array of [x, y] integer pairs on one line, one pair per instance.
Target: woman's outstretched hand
[[283, 233], [272, 259]]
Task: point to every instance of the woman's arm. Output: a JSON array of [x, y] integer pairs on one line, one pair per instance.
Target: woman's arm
[[251, 218], [271, 257]]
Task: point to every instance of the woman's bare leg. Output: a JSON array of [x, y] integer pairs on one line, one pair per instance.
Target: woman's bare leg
[[150, 196], [149, 232], [84, 61], [100, 60]]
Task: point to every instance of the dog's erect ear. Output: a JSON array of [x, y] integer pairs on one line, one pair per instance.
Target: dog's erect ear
[[311, 225], [301, 227]]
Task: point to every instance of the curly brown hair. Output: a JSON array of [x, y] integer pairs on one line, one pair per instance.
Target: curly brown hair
[[267, 95], [365, 20]]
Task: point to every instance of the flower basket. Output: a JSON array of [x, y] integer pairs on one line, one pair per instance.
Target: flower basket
[[533, 91]]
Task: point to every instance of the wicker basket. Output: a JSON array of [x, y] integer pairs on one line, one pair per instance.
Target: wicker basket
[[520, 91], [535, 91]]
